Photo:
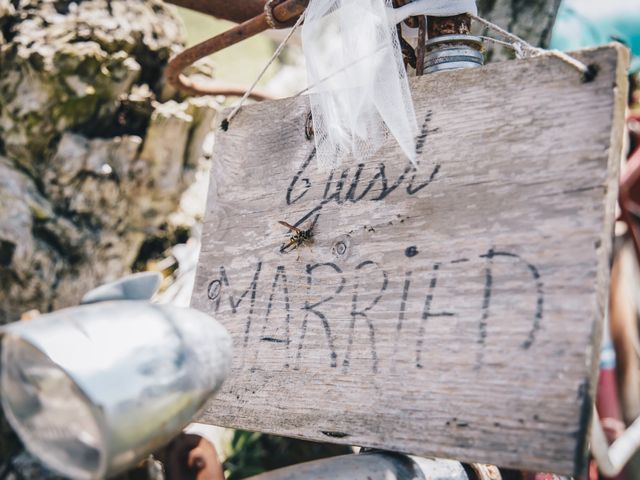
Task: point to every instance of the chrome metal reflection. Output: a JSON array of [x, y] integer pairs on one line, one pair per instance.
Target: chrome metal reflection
[[110, 381], [451, 52]]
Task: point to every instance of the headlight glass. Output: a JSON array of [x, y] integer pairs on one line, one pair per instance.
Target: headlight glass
[[48, 411]]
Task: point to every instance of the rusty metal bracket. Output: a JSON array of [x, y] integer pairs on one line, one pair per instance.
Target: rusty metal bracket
[[282, 12]]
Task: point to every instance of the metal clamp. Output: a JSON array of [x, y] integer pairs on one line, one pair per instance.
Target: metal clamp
[[272, 19], [451, 52]]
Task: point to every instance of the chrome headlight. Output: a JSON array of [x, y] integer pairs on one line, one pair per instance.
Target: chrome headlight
[[94, 389]]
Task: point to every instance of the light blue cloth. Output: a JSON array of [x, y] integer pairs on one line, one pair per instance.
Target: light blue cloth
[[587, 23]]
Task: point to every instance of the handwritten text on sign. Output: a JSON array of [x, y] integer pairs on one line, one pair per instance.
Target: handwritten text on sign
[[267, 298], [446, 310]]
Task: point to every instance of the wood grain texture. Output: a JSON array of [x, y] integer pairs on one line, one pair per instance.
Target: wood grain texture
[[453, 310]]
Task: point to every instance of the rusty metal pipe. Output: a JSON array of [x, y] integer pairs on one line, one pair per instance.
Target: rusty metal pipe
[[191, 55], [237, 11], [283, 13]]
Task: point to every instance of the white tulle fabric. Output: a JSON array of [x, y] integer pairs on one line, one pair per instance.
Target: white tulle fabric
[[359, 88]]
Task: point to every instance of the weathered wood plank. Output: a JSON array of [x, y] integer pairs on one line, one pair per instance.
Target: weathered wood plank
[[451, 311]]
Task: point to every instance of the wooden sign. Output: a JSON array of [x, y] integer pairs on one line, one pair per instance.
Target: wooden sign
[[451, 310]]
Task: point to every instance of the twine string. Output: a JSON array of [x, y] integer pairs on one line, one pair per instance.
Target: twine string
[[276, 54], [524, 49]]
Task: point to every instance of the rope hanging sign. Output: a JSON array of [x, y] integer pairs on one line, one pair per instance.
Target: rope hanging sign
[[449, 308]]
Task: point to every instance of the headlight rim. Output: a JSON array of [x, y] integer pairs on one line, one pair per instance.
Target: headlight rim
[[96, 411]]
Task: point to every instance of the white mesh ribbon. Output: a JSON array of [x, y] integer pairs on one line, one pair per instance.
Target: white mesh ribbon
[[359, 88], [433, 8]]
